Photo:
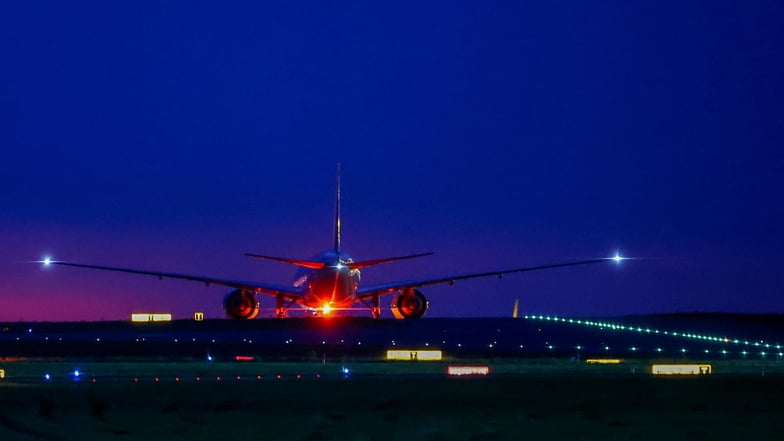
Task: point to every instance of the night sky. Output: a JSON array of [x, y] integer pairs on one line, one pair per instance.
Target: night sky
[[178, 136]]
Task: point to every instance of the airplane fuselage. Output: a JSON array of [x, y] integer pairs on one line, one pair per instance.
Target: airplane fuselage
[[332, 287]]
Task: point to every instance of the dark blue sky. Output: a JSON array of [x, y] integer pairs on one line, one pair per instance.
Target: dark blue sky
[[177, 136]]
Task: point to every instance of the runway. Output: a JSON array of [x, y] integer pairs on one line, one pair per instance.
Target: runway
[[708, 336]]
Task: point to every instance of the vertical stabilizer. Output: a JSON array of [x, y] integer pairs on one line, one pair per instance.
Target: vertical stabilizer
[[336, 243]]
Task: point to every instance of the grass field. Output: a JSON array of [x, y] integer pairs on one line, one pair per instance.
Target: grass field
[[534, 400], [169, 368]]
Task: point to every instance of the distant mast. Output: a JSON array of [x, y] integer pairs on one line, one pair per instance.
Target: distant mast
[[336, 243]]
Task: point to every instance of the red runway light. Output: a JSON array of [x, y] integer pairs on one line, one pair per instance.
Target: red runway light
[[135, 380], [217, 378], [278, 376], [157, 379], [198, 378], [258, 377]]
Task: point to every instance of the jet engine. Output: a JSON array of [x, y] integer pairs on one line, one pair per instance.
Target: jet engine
[[410, 303], [240, 304]]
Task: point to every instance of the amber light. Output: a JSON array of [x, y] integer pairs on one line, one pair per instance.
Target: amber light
[[603, 361]]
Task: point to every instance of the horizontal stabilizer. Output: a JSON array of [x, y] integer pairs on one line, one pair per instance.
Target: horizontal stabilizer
[[366, 263], [303, 263]]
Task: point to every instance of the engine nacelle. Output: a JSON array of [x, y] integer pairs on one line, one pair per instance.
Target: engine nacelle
[[408, 304], [240, 304]]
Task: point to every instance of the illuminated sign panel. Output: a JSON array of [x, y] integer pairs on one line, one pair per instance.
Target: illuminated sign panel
[[681, 369], [603, 360], [145, 317], [198, 316], [2, 373], [414, 355], [460, 371]]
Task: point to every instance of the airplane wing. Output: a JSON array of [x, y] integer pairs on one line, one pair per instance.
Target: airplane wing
[[388, 288], [289, 292]]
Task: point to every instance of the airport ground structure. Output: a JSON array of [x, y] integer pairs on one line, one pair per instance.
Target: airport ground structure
[[675, 336]]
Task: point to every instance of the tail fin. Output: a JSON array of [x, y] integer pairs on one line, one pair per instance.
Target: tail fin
[[336, 237]]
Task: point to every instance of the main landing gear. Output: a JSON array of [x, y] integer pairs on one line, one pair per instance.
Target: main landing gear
[[374, 305], [282, 307], [376, 309]]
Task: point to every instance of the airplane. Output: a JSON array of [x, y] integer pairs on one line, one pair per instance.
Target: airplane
[[330, 282]]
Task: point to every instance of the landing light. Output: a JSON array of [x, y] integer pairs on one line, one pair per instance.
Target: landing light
[[326, 309], [617, 258]]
